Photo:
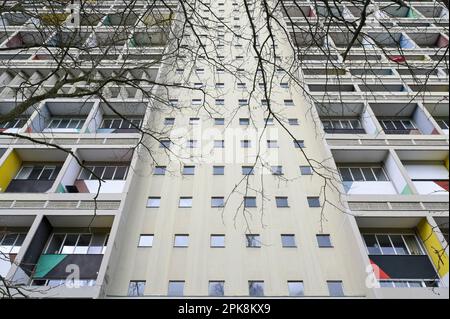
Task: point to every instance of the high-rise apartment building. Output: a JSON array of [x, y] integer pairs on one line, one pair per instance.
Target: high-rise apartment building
[[333, 183]]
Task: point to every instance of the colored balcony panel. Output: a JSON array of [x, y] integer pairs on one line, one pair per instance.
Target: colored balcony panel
[[24, 40], [399, 12], [430, 40]]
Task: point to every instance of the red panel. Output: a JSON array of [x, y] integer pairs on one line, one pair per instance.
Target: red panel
[[443, 184], [379, 273]]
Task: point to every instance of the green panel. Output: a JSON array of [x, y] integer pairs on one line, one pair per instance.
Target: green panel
[[61, 189], [407, 190], [46, 263], [411, 13]]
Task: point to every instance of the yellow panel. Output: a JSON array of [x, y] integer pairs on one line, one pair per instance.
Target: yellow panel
[[9, 170], [433, 247], [447, 163]]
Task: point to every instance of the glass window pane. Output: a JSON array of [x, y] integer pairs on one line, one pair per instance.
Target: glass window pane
[[296, 288], [97, 244], [7, 244], [55, 244], [379, 174], [146, 241], [189, 170], [121, 173], [218, 170], [24, 172], [282, 202], [357, 175], [64, 123], [306, 170], [176, 288], [109, 173], [35, 172], [69, 244], [386, 246], [153, 202], [218, 241], [413, 245], [247, 170], [288, 241], [324, 241], [249, 202], [98, 171], [17, 244], [399, 245], [356, 124], [185, 202], [74, 123], [46, 173], [217, 202], [85, 173], [368, 174], [335, 288], [256, 288], [346, 124], [181, 241], [136, 288], [83, 244], [345, 174], [372, 245], [314, 202], [253, 241], [160, 170], [216, 288]]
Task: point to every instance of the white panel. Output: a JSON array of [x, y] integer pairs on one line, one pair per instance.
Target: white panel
[[423, 123], [71, 173], [372, 188], [429, 188], [368, 123], [427, 172], [108, 187]]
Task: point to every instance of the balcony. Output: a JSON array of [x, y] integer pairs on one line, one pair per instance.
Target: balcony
[[107, 121], [30, 171], [403, 119], [402, 252], [11, 240], [370, 172], [342, 126], [440, 113], [14, 125], [428, 171], [61, 117], [109, 166]]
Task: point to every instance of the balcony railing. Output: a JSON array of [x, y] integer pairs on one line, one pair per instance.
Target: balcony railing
[[29, 186]]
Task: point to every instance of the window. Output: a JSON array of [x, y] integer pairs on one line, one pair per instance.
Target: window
[[293, 121], [160, 170], [173, 102], [313, 202], [341, 124], [220, 102], [119, 123], [249, 202], [38, 173], [269, 121], [289, 103], [248, 170], [196, 102], [299, 144], [136, 288], [276, 170], [398, 125], [10, 243], [288, 241], [109, 172], [217, 202], [16, 123], [219, 144], [246, 143], [244, 121], [218, 170], [73, 123], [219, 121], [72, 243], [194, 121], [176, 288], [392, 244], [243, 102], [185, 202], [192, 144], [272, 144], [253, 241], [324, 241], [282, 202], [217, 241], [306, 170], [164, 144], [181, 241], [363, 174], [284, 85], [189, 170], [335, 288], [443, 123], [154, 202], [296, 288], [216, 288], [145, 241], [256, 288]]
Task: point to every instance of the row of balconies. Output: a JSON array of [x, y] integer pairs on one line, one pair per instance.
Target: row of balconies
[[52, 171], [76, 117], [388, 118]]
